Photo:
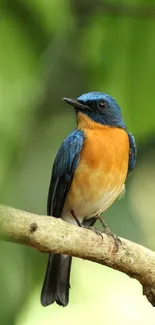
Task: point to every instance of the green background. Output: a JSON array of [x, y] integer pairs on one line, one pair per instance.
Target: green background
[[48, 50]]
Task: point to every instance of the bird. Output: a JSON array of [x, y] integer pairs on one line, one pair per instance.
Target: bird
[[89, 173]]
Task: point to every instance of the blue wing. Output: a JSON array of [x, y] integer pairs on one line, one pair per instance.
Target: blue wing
[[132, 153], [64, 166]]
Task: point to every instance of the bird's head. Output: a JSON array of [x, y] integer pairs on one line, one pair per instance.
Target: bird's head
[[99, 107]]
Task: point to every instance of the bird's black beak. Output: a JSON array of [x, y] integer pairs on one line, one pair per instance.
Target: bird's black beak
[[75, 103]]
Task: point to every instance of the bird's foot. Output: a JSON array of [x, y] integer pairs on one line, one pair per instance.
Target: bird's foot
[[109, 233], [117, 240], [106, 231], [97, 231]]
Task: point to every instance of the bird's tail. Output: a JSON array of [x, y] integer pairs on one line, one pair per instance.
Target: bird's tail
[[56, 283]]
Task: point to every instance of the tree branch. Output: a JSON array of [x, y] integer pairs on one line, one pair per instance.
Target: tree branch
[[53, 235]]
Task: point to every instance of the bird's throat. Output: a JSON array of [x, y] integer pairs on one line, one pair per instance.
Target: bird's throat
[[85, 122]]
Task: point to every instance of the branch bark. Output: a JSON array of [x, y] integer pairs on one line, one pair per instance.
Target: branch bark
[[48, 234]]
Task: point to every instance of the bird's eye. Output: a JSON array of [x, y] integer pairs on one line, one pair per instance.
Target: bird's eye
[[102, 104]]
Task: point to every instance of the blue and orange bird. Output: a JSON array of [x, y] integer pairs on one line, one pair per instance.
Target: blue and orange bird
[[89, 173]]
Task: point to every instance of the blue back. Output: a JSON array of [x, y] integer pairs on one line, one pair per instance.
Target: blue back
[[64, 166]]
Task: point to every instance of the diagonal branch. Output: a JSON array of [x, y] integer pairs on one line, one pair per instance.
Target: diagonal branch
[[48, 234]]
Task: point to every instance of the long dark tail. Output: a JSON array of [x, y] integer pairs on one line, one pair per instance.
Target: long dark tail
[[56, 283]]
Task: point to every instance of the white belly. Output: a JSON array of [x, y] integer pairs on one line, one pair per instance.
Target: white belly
[[88, 210]]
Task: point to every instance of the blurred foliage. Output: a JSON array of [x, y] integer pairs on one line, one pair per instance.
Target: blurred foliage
[[52, 49]]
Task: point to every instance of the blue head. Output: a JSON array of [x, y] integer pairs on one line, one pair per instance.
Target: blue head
[[100, 107]]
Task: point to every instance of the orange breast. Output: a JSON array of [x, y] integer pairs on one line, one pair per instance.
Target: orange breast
[[102, 170]]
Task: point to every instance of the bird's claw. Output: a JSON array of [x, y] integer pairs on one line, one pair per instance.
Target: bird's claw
[[97, 231], [109, 233], [117, 240]]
